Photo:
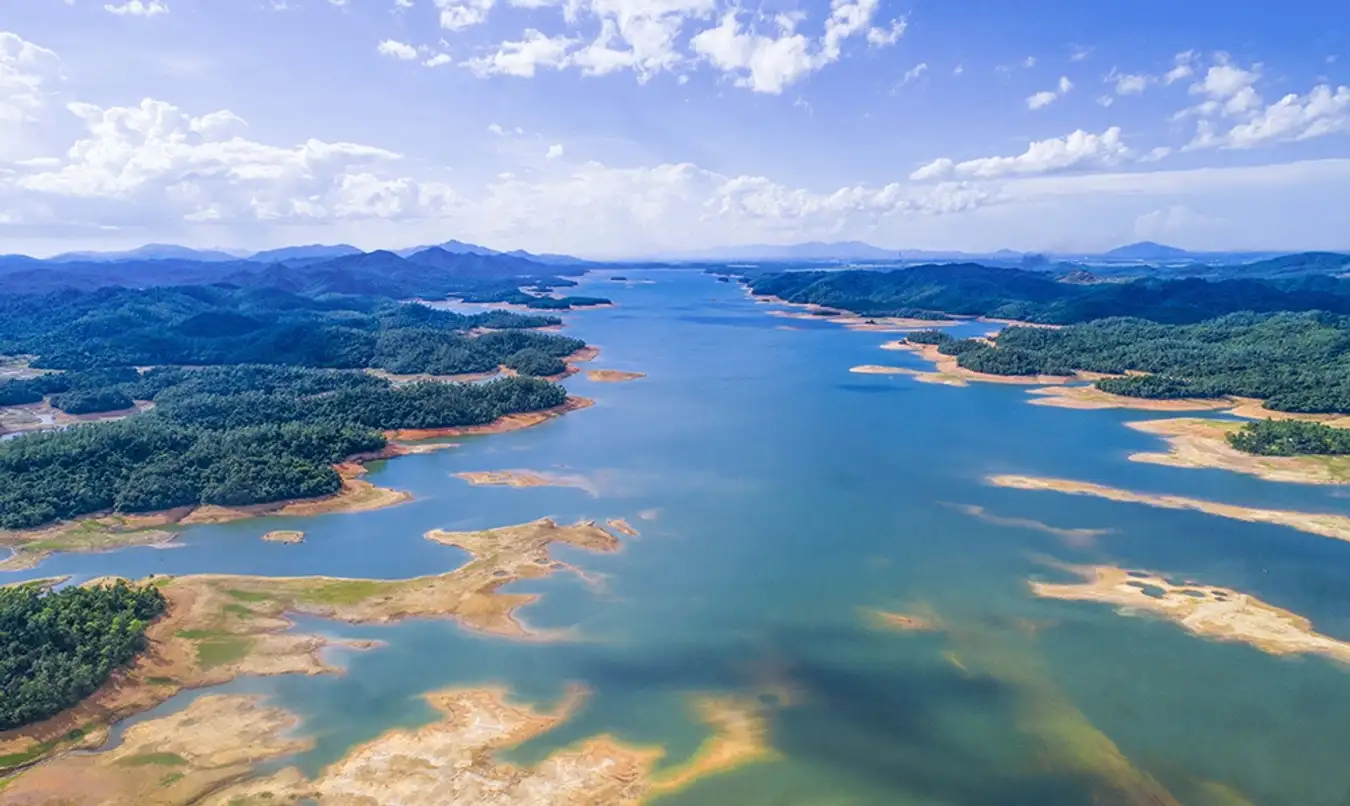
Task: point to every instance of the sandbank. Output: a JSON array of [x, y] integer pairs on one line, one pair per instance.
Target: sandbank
[[879, 369], [219, 626], [949, 371], [528, 478], [1077, 538], [175, 759], [613, 375], [1318, 523], [906, 622], [623, 527], [1254, 409], [453, 760], [1200, 443], [1090, 397], [289, 536], [502, 425], [1206, 610]]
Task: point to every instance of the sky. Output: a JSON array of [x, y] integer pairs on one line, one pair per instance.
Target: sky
[[622, 128]]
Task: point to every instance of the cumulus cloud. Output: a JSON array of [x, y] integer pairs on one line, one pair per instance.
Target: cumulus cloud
[[1227, 90], [769, 62], [1182, 68], [522, 58], [554, 151], [138, 8], [649, 37], [914, 73], [1074, 151], [24, 70], [1320, 112], [397, 50], [1129, 83]]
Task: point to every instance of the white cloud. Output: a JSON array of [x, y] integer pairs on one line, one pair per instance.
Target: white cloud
[[1294, 117], [456, 16], [1105, 100], [24, 70], [914, 73], [1182, 67], [524, 57], [1044, 98], [958, 69], [138, 8], [438, 60], [1029, 61], [882, 37], [1227, 89], [398, 50], [1078, 53], [1074, 151], [1041, 99], [1129, 83], [554, 151]]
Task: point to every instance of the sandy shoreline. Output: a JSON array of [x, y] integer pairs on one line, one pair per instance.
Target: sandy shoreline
[[1200, 443], [1090, 397], [1325, 524], [948, 371], [502, 425], [218, 626], [1211, 612]]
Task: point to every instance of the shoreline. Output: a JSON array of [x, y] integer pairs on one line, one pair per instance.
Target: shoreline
[[1325, 524], [527, 478], [220, 626], [1201, 443], [1209, 611], [99, 532], [948, 371]]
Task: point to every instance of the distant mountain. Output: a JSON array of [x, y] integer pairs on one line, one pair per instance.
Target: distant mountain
[[151, 251], [813, 250], [452, 246], [485, 265], [310, 252], [547, 258], [1147, 250]]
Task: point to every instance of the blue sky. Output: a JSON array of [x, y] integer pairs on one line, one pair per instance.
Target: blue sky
[[628, 127]]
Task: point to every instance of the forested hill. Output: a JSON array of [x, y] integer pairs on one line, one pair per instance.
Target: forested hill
[[431, 273], [1006, 293], [200, 325]]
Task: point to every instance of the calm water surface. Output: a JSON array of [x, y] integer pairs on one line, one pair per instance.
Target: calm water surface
[[781, 498]]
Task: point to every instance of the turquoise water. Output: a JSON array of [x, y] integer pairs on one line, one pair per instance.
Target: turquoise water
[[784, 497]]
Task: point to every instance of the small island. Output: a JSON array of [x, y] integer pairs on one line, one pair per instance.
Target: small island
[[1289, 450], [285, 536], [1218, 613], [613, 375], [1319, 523]]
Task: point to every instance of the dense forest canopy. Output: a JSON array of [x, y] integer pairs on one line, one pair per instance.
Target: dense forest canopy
[[1297, 362], [1291, 438], [56, 648], [1029, 296], [211, 325], [233, 436]]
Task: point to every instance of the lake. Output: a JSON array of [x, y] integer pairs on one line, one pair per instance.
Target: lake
[[782, 499]]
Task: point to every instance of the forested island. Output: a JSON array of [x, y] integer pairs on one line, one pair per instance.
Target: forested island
[[969, 289], [1291, 438], [57, 647], [1296, 362]]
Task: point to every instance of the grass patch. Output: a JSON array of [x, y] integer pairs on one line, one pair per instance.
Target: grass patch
[[40, 749], [344, 591], [157, 759], [203, 635], [238, 610], [248, 596], [222, 651], [161, 681], [171, 779]]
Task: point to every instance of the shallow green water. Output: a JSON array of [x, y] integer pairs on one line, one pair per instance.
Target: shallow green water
[[784, 498]]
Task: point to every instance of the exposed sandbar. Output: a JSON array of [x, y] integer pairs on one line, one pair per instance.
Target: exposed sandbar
[[1073, 537], [879, 369], [906, 622], [502, 425], [453, 760], [623, 527], [1090, 397], [528, 478], [612, 375], [950, 372], [218, 626], [288, 536], [1212, 612], [1318, 523], [175, 759], [1200, 443], [86, 535], [1254, 409]]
